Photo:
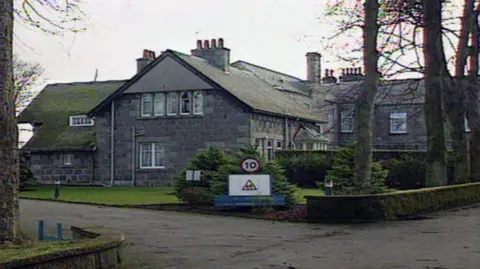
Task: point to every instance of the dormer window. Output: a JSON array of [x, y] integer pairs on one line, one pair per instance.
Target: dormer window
[[81, 120]]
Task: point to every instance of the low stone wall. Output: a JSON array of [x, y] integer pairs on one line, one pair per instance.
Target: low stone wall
[[95, 248], [398, 205]]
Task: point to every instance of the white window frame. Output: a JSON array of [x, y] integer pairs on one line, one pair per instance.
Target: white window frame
[[395, 118], [169, 105], [467, 127], [197, 96], [189, 99], [259, 145], [81, 120], [68, 159], [142, 105], [159, 101], [270, 149], [278, 145], [153, 149], [346, 115]]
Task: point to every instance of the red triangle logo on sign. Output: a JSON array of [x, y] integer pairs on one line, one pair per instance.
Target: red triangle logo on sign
[[249, 186]]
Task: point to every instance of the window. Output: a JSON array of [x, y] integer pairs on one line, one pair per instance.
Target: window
[[147, 104], [186, 103], [81, 121], [172, 105], [270, 149], [279, 145], [68, 159], [152, 155], [467, 127], [331, 118], [197, 103], [346, 121], [259, 145], [159, 104], [398, 122]]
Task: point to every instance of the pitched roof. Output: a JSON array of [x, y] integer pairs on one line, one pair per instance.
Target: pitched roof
[[53, 107], [405, 91], [245, 86]]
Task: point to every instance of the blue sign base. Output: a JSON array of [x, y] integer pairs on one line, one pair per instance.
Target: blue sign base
[[225, 200]]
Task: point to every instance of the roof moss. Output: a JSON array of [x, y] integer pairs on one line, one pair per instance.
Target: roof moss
[[53, 107]]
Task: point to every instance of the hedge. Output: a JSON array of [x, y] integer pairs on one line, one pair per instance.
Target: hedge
[[406, 167], [361, 208]]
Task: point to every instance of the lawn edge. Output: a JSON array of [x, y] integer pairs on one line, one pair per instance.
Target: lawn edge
[[149, 207]]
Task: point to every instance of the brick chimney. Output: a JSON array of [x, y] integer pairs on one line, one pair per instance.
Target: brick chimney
[[214, 52], [148, 57], [314, 67]]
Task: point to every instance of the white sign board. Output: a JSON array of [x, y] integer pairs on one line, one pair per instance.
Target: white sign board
[[193, 175], [249, 185]]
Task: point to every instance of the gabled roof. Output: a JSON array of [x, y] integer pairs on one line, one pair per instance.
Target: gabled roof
[[245, 86], [405, 91], [53, 107]]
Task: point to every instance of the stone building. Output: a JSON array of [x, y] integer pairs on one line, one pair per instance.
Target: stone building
[[141, 131]]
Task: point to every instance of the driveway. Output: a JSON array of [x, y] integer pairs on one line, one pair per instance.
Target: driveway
[[158, 239]]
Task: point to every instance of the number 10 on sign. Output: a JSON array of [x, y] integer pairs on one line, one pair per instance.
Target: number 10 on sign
[[250, 165]]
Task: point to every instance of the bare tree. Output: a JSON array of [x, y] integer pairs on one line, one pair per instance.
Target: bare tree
[[27, 75], [365, 102]]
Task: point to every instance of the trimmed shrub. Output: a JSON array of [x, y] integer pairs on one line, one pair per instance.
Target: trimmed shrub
[[342, 174], [306, 169], [216, 165], [26, 176], [390, 205], [406, 171]]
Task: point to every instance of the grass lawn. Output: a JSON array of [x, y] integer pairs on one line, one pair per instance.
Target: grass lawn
[[125, 195], [107, 195]]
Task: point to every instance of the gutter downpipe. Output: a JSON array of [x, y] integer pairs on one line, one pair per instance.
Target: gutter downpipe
[[112, 143], [287, 140], [133, 156]]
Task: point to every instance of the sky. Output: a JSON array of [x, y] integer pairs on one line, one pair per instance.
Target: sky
[[272, 33]]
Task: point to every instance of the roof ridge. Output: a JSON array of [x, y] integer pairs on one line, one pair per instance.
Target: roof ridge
[[268, 69], [87, 82]]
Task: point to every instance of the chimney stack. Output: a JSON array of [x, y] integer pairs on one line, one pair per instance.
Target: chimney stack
[[351, 74], [147, 57], [314, 67], [216, 54]]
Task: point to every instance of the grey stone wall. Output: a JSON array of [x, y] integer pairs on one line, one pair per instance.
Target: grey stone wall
[[49, 167], [225, 124], [414, 139]]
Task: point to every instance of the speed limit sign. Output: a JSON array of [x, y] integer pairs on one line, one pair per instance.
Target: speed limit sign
[[250, 165]]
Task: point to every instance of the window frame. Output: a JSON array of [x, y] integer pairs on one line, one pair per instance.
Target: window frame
[[169, 105], [343, 124], [331, 118], [152, 150], [155, 105], [142, 105], [76, 121], [394, 118], [194, 100], [68, 157], [259, 146], [270, 149], [189, 99], [467, 127]]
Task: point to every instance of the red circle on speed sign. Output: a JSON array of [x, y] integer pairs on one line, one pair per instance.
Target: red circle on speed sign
[[250, 165]]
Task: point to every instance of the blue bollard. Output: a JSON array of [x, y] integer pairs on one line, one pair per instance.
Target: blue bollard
[[59, 231], [328, 187], [41, 230]]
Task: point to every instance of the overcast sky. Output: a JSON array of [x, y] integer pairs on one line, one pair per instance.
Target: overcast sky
[[272, 33]]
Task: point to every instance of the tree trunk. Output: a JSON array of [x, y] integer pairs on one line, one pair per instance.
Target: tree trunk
[[365, 103], [455, 101], [9, 171], [473, 113], [435, 75]]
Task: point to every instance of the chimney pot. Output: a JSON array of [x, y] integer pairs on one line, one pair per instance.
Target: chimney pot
[[343, 71], [360, 71], [331, 72], [214, 43], [326, 73], [206, 44], [199, 44], [220, 43]]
